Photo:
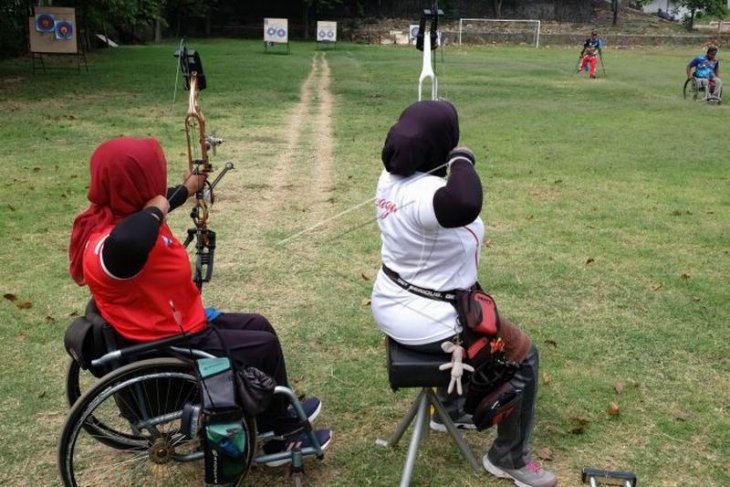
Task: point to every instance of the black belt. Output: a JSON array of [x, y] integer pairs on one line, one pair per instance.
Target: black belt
[[446, 296]]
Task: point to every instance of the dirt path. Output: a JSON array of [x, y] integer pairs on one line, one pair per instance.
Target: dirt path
[[283, 184]]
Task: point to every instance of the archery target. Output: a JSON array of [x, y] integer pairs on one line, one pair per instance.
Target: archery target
[[52, 30], [45, 22], [64, 30], [413, 32], [276, 30], [326, 31]]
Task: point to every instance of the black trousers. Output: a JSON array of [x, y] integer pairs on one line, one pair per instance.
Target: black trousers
[[251, 340]]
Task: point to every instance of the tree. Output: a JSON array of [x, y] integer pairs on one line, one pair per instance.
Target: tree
[[709, 7], [317, 6], [497, 9]]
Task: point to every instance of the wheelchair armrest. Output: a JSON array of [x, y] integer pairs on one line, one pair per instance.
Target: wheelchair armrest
[[138, 349]]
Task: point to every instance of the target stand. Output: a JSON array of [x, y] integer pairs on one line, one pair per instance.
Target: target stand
[[52, 32], [326, 34], [276, 32]]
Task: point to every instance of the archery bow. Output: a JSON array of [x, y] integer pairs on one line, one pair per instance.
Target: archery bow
[[199, 144]]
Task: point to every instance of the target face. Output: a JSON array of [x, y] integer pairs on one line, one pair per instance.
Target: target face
[[276, 30], [44, 23], [413, 32], [326, 31], [64, 30]]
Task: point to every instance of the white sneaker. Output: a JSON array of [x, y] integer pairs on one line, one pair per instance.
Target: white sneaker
[[531, 475], [464, 422]]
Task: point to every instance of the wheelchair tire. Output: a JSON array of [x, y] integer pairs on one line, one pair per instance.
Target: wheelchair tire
[[157, 453], [103, 433], [688, 90]]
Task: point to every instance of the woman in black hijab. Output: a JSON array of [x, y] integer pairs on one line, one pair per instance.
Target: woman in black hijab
[[431, 237]]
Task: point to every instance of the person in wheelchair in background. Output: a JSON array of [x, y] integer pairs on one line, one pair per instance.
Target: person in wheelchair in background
[[431, 237], [588, 55], [704, 71], [140, 278]]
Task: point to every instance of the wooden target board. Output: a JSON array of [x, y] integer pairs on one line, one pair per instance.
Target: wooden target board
[[53, 31]]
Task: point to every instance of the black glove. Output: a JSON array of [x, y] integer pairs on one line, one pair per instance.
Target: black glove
[[462, 153]]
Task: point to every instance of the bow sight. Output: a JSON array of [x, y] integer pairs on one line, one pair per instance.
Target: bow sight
[[433, 14], [190, 63]]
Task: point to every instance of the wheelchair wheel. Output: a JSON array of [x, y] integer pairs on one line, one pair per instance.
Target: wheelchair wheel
[[690, 90], [79, 381], [126, 429]]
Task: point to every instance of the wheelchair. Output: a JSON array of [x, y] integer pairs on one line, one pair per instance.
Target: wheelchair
[[695, 91], [128, 427]]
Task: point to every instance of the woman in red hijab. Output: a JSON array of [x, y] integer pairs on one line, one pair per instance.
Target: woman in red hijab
[[140, 277]]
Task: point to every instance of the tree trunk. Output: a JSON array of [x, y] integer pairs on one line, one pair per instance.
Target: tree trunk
[[692, 19], [615, 6], [497, 9], [305, 19]]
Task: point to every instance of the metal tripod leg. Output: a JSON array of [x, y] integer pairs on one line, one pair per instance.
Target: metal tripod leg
[[402, 426], [419, 427], [455, 434]]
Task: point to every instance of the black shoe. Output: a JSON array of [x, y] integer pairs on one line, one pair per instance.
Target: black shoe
[[291, 423], [299, 441]]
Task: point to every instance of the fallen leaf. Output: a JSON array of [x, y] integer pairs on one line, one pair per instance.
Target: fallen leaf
[[365, 301], [590, 260], [685, 276], [656, 287], [676, 213], [530, 217], [73, 313], [364, 276], [613, 409], [695, 299], [10, 297], [680, 417], [42, 395], [552, 343], [50, 319], [22, 336], [558, 181], [545, 454], [24, 304], [11, 207], [577, 430], [547, 378], [36, 169]]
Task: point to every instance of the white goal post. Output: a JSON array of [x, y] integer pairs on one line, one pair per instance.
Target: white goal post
[[535, 28]]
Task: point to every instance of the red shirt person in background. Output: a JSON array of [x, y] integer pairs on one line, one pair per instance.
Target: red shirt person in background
[[140, 277]]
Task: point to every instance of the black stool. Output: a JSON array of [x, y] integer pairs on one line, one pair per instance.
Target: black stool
[[408, 368]]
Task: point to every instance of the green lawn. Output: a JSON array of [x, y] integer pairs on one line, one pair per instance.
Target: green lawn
[[607, 204]]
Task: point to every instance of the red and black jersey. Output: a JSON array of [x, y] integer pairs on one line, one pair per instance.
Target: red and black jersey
[[143, 307]]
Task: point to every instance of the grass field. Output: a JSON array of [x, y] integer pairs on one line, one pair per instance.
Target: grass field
[[607, 204]]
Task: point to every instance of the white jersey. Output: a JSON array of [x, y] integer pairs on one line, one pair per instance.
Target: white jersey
[[425, 254]]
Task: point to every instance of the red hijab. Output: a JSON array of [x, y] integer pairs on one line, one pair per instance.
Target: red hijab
[[125, 174]]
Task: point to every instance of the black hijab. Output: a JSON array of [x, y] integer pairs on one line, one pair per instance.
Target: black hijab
[[421, 139]]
